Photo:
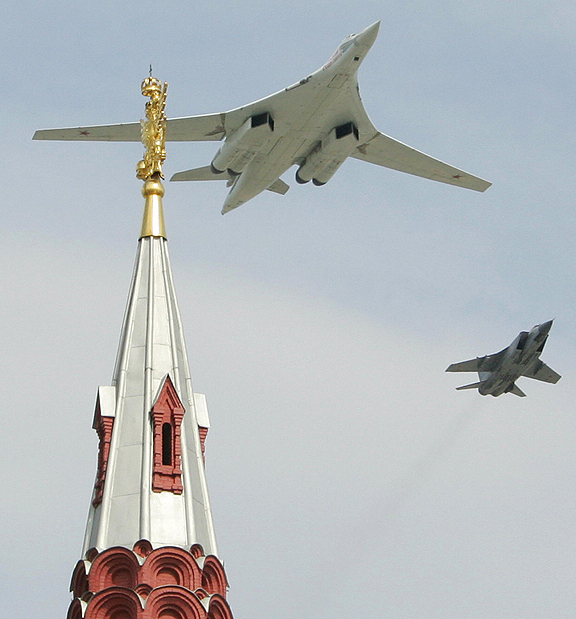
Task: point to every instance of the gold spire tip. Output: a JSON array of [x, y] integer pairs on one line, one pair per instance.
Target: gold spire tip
[[153, 129], [150, 168]]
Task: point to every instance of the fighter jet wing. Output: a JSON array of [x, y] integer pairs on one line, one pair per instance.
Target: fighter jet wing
[[544, 373], [389, 153], [203, 128], [480, 364], [472, 365]]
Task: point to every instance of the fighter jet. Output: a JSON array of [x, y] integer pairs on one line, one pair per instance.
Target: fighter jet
[[315, 124], [499, 372]]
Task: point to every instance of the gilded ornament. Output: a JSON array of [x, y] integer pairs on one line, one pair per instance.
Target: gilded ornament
[[153, 129]]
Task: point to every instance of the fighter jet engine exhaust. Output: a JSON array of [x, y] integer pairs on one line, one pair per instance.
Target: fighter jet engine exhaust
[[241, 147], [418, 474], [325, 159]]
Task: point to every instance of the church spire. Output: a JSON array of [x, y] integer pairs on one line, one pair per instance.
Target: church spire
[[150, 547]]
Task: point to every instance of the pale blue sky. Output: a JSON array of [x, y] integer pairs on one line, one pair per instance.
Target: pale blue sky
[[347, 475]]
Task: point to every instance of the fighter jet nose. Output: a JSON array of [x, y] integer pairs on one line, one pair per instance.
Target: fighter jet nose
[[368, 35], [545, 327]]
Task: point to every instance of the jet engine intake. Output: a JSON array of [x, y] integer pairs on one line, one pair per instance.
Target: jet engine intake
[[242, 146], [325, 159]]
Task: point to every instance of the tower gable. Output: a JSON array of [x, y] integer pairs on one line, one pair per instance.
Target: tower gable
[[167, 414]]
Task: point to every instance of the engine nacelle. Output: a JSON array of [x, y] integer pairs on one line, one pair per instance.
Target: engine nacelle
[[241, 147], [322, 163]]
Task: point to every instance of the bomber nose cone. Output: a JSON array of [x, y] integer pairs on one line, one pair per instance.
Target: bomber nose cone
[[545, 327], [368, 36]]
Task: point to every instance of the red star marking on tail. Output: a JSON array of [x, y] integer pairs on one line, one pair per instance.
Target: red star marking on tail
[[84, 133]]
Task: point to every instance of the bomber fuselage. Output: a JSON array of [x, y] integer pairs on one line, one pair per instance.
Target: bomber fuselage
[[310, 113]]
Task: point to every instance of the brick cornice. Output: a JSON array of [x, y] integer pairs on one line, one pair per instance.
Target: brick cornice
[[122, 583]]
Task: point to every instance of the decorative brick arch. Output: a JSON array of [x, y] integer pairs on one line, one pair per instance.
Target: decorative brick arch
[[167, 414], [213, 576], [91, 554], [114, 603], [219, 608], [75, 610], [142, 548], [143, 590], [79, 582], [197, 551], [115, 567], [173, 603], [165, 583], [201, 594], [170, 565]]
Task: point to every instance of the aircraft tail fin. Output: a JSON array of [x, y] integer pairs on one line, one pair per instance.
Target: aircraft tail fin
[[516, 390], [471, 386]]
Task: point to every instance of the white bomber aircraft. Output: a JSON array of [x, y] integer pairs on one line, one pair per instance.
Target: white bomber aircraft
[[315, 124]]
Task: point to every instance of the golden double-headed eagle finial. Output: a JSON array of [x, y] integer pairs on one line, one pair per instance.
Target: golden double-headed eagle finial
[[153, 129]]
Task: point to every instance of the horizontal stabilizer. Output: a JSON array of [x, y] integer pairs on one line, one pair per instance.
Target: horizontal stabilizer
[[516, 391], [205, 173], [204, 128], [390, 153], [279, 186], [544, 373], [472, 386]]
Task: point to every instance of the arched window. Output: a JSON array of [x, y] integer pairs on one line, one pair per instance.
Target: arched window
[[167, 444]]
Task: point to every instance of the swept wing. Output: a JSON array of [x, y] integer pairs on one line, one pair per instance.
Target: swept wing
[[480, 364], [544, 373], [202, 128], [390, 153]]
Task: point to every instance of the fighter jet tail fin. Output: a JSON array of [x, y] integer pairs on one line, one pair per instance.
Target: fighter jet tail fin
[[471, 386], [516, 390]]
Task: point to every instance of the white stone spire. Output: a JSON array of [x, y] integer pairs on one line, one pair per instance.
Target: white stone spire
[[151, 483], [149, 549]]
